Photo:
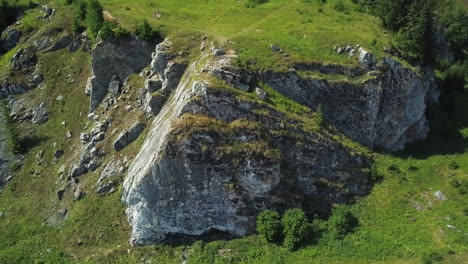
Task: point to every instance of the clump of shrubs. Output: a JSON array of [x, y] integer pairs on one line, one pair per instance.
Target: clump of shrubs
[[145, 32], [254, 3], [294, 229]]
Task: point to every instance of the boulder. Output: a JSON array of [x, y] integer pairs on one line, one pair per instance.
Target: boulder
[[9, 38], [161, 57], [128, 136], [172, 76], [366, 59], [261, 94], [114, 86], [152, 85], [43, 43], [40, 114], [23, 59], [154, 103], [62, 43]]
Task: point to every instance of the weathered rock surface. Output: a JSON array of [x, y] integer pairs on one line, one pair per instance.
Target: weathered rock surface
[[23, 59], [5, 155], [117, 57], [387, 110], [190, 179], [9, 38], [40, 114], [127, 137], [7, 89], [225, 70]]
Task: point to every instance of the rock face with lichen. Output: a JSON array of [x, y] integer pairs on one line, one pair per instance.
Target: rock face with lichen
[[383, 107], [113, 60], [213, 159]]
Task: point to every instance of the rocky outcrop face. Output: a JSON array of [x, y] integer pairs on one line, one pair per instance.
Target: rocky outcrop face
[[9, 38], [24, 59], [224, 69], [40, 114], [128, 136], [384, 110], [118, 57], [5, 155], [7, 89], [213, 161]]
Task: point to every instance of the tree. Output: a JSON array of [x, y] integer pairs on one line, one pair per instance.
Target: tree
[[269, 226], [94, 17], [392, 13], [414, 40], [296, 228]]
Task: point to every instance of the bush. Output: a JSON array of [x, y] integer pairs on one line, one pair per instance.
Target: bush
[[296, 228], [106, 31], [94, 18], [145, 32], [339, 6], [269, 226], [254, 3], [342, 221]]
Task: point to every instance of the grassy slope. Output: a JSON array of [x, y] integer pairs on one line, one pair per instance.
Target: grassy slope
[[297, 27], [391, 229]]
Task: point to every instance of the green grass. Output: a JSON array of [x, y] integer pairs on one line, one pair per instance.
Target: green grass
[[400, 221], [297, 27]]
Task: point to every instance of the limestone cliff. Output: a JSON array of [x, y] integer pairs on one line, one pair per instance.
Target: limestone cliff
[[213, 159]]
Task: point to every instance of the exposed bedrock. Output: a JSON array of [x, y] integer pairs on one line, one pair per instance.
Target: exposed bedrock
[[384, 111], [213, 161], [117, 57]]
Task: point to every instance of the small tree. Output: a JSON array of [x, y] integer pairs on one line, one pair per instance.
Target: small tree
[[296, 228], [342, 221], [269, 226]]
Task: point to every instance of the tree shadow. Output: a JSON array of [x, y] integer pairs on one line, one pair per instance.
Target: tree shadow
[[445, 122], [26, 143]]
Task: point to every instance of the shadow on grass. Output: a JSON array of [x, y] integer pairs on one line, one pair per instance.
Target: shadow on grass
[[445, 122], [26, 143]]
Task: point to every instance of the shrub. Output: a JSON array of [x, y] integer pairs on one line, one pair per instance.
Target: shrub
[[94, 18], [296, 228], [145, 32], [254, 3], [339, 6], [106, 31], [342, 221], [269, 226]]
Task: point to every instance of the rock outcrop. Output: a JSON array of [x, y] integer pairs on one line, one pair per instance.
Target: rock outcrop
[[383, 109], [117, 57], [5, 155], [9, 38], [127, 137], [212, 161]]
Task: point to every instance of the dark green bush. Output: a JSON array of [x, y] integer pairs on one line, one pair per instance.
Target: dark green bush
[[145, 32], [341, 222], [296, 228], [254, 3], [269, 226], [94, 17]]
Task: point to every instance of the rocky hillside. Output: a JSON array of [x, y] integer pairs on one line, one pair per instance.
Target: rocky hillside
[[119, 147]]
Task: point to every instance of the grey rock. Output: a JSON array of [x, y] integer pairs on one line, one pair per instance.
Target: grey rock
[[84, 137], [127, 137], [80, 42], [114, 86], [58, 153], [40, 114], [37, 78], [225, 70], [154, 103], [161, 57], [99, 137], [153, 85], [386, 111], [218, 51], [107, 179], [23, 59], [43, 43], [77, 171], [184, 186], [7, 89], [79, 194], [9, 38], [366, 59], [62, 43], [172, 76], [68, 134], [117, 57], [261, 94], [440, 195]]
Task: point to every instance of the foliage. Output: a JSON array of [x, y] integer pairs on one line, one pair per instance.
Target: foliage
[[254, 3], [454, 77], [269, 226], [145, 32], [342, 221], [94, 17], [296, 228]]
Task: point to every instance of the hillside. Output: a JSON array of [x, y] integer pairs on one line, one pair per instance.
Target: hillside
[[161, 138]]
